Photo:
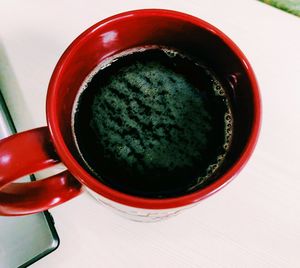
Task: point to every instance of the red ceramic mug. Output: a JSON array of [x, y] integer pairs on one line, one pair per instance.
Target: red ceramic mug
[[37, 149]]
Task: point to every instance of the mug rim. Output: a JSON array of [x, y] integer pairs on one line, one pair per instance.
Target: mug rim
[[136, 201]]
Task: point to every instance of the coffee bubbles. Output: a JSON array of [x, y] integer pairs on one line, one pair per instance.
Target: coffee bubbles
[[152, 122]]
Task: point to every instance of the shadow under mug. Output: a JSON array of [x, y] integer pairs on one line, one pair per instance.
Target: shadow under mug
[[37, 149]]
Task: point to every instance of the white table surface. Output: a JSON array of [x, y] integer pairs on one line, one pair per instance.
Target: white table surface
[[253, 222]]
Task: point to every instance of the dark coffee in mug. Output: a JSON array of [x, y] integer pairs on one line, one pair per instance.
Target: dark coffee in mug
[[153, 122]]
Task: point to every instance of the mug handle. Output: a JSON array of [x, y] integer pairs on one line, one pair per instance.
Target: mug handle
[[23, 154]]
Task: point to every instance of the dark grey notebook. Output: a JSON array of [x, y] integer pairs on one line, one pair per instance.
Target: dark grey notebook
[[25, 239]]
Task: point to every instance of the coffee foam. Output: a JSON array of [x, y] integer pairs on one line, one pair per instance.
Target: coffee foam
[[228, 119], [217, 87], [104, 64]]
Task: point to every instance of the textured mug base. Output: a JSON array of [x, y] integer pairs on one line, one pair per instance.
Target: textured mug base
[[138, 214]]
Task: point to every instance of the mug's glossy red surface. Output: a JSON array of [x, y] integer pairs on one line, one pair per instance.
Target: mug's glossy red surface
[[55, 143]]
